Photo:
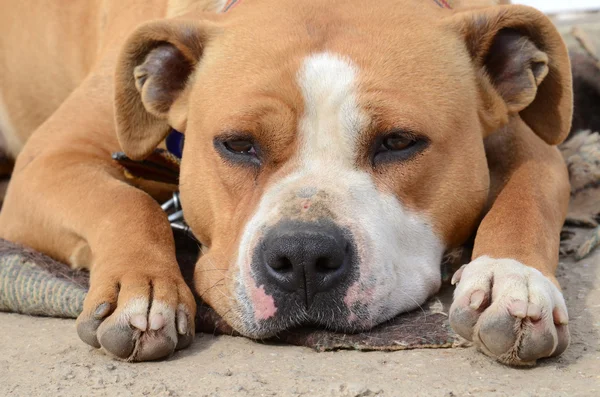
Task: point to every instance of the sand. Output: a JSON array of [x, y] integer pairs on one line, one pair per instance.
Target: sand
[[44, 357]]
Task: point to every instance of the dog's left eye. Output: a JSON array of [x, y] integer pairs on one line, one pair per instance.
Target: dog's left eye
[[240, 146], [397, 142]]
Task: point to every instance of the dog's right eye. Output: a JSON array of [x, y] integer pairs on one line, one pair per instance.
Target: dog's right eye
[[240, 146], [238, 149]]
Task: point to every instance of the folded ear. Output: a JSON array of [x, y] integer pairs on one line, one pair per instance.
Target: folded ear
[[152, 82], [523, 67]]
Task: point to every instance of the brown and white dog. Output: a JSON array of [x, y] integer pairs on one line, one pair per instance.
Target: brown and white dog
[[334, 150]]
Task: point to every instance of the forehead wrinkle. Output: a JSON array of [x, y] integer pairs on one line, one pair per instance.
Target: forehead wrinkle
[[332, 118]]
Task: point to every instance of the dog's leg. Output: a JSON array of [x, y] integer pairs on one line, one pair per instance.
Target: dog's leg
[[508, 300], [67, 198]]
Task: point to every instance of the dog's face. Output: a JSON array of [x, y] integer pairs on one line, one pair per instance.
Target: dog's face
[[332, 151]]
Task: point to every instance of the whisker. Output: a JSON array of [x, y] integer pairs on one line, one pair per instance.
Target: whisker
[[211, 287], [417, 303]]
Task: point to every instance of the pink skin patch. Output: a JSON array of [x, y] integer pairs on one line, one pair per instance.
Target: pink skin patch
[[353, 295], [305, 205], [362, 290], [357, 294], [264, 305]]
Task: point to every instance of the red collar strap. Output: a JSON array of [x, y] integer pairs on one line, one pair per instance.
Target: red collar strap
[[231, 4], [444, 3]]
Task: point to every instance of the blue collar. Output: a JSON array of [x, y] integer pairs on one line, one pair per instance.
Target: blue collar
[[174, 142]]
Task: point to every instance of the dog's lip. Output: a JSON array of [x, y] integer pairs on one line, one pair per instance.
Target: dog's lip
[[303, 328], [293, 324]]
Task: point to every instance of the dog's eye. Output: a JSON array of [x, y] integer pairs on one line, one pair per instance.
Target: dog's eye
[[240, 149], [397, 142], [240, 146], [397, 146]]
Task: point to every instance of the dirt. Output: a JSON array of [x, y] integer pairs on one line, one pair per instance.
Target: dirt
[[44, 357]]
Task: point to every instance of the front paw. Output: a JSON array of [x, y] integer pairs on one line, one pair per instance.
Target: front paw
[[510, 311], [138, 316]]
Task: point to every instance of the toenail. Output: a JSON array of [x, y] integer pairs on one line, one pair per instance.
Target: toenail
[[477, 299], [560, 316], [182, 324], [518, 309], [534, 311], [157, 321], [139, 321], [457, 275], [102, 310]]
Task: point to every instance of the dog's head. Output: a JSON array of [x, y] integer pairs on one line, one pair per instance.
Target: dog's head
[[335, 149]]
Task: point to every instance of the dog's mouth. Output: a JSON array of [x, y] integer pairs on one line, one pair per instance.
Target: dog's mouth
[[209, 321], [329, 316]]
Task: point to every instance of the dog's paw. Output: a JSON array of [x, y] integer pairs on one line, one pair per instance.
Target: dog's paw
[[138, 317], [510, 311]]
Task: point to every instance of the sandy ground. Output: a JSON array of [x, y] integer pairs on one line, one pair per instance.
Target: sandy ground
[[44, 357]]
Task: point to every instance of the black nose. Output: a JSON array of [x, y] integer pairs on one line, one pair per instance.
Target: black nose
[[306, 257]]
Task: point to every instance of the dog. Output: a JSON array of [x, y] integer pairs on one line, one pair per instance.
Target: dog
[[334, 151]]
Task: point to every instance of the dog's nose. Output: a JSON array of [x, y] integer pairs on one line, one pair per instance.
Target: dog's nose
[[307, 258]]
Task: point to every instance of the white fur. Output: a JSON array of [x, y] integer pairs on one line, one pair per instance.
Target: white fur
[[510, 281], [332, 119], [399, 252]]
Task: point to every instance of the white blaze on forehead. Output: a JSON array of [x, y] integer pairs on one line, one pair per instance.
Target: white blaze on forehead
[[332, 118]]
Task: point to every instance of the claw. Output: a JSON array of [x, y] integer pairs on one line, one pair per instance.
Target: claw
[[182, 324], [477, 299], [518, 309], [534, 312], [157, 321], [139, 321], [560, 316], [457, 274]]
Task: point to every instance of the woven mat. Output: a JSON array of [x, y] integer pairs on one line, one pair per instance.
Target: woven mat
[[32, 283]]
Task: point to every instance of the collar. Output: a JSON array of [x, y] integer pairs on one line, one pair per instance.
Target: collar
[[174, 143], [230, 4], [444, 3]]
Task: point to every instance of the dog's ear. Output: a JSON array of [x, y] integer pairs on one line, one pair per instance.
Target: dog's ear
[[522, 66], [152, 82]]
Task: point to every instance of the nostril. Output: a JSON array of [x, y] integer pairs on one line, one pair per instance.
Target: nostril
[[282, 264]]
